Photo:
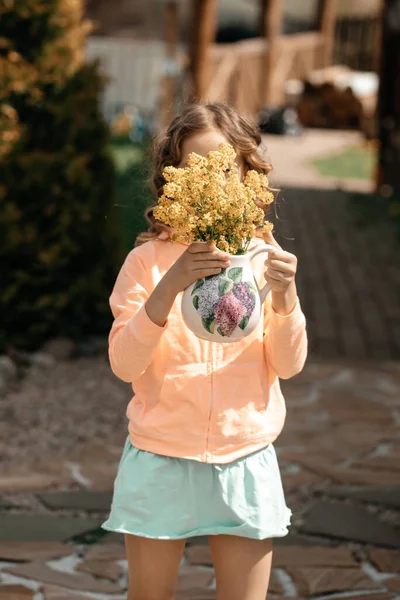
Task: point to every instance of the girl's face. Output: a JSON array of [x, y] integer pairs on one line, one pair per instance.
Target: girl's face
[[206, 141]]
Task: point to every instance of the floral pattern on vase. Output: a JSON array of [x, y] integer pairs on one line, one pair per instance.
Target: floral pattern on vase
[[224, 301]]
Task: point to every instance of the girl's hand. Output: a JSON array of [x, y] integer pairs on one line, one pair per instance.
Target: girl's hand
[[200, 260], [280, 273], [281, 266]]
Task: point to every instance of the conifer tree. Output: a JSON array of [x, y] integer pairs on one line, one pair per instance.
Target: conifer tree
[[58, 246]]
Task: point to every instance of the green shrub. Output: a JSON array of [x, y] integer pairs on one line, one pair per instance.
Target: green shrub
[[132, 191], [59, 248]]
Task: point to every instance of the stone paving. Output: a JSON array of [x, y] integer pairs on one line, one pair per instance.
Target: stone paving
[[348, 276], [339, 455]]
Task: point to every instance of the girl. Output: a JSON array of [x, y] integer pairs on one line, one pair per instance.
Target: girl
[[199, 458]]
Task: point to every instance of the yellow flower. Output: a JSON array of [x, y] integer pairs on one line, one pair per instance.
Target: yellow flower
[[206, 201], [267, 227]]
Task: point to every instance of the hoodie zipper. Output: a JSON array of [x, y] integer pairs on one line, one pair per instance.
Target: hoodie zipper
[[211, 363]]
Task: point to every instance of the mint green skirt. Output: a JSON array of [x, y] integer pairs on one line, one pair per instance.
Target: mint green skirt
[[173, 498]]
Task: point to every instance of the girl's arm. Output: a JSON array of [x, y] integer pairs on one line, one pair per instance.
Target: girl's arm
[[141, 316], [285, 336], [134, 335], [285, 339]]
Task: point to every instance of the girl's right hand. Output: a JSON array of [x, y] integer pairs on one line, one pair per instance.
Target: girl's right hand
[[201, 259]]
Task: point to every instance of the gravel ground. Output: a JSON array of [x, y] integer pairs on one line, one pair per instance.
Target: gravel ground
[[54, 411]]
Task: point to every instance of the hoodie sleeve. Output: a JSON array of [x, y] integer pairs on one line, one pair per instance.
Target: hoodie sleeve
[[285, 340], [133, 336]]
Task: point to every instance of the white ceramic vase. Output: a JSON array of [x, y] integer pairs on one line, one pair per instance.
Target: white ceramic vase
[[226, 307]]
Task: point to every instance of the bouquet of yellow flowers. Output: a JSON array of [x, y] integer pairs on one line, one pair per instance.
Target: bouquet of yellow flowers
[[207, 202]]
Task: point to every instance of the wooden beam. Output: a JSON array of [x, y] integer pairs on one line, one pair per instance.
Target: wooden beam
[[271, 25], [377, 43], [171, 16], [204, 29], [388, 177], [327, 23]]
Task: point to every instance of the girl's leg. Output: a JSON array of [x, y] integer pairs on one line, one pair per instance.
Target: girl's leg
[[242, 567], [153, 567]]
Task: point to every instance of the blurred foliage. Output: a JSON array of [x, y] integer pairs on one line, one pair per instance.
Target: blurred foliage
[[59, 247], [132, 191]]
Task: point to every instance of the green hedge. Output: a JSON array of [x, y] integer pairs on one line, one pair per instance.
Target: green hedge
[[59, 244], [132, 191]]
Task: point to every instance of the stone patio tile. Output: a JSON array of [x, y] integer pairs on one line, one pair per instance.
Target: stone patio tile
[[85, 500], [349, 439], [387, 496], [39, 571], [94, 452], [348, 522], [27, 482], [15, 527], [296, 391], [317, 556], [314, 371], [387, 561], [4, 503], [112, 537], [291, 437], [118, 440], [324, 466], [387, 463], [58, 467], [356, 433], [199, 555], [15, 592], [275, 586], [393, 584], [293, 539], [106, 552], [316, 464], [196, 594], [26, 551], [197, 540], [345, 407], [192, 578], [354, 476], [311, 581], [101, 568], [294, 480], [374, 596], [54, 592], [100, 476]]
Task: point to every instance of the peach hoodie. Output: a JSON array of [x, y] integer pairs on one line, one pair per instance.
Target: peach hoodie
[[196, 399]]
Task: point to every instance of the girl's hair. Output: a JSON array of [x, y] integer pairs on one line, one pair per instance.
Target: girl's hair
[[167, 148]]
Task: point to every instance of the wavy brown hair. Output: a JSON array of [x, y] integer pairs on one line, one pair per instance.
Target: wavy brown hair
[[167, 148]]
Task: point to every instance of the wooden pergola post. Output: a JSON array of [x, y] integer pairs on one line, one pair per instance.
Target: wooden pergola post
[[171, 16], [388, 177], [327, 22], [204, 28], [271, 27]]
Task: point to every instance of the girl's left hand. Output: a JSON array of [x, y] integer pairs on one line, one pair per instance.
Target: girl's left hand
[[281, 266]]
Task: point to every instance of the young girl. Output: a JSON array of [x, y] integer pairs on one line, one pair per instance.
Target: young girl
[[199, 458]]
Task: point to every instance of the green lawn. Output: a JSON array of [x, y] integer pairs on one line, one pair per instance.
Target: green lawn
[[131, 190], [353, 163]]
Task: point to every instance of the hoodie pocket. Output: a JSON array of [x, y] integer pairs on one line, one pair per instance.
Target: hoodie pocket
[[241, 397], [183, 406]]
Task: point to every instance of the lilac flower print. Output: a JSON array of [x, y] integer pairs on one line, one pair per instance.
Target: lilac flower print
[[229, 313], [208, 298], [242, 293]]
